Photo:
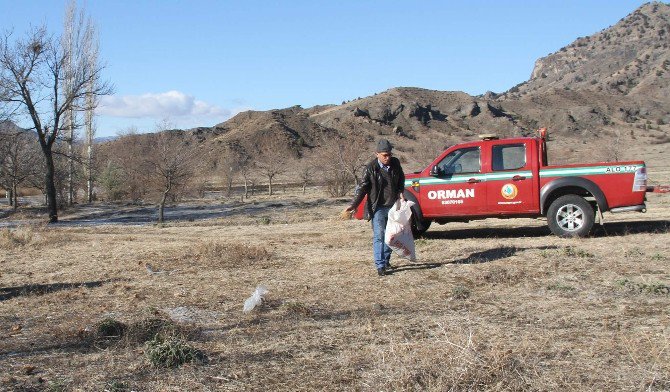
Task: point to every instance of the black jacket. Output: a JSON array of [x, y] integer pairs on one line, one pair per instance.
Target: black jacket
[[371, 184]]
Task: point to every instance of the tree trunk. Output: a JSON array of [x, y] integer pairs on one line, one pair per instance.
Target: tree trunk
[[15, 193], [70, 169], [89, 181], [246, 189], [50, 185], [270, 186], [229, 185], [10, 196], [161, 206]]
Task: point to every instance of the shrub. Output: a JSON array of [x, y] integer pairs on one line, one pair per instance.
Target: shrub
[[170, 352], [150, 328], [110, 328], [460, 292]]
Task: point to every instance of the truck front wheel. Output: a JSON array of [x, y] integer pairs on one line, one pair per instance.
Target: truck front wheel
[[419, 226], [570, 216]]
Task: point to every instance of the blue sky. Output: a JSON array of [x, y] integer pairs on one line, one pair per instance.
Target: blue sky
[[196, 63]]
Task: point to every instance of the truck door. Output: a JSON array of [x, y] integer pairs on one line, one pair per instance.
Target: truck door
[[510, 185], [456, 186]]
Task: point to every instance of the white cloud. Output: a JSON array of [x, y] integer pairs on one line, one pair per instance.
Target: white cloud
[[171, 104]]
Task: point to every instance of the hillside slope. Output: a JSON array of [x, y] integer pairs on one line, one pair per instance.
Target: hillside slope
[[605, 96]]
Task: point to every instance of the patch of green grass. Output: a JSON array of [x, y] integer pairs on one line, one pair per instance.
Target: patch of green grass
[[656, 288], [574, 252], [420, 242], [460, 292], [633, 253], [264, 220], [658, 257], [116, 386], [560, 287], [57, 386], [170, 352]]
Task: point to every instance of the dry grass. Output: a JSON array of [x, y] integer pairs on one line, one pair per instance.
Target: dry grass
[[490, 305]]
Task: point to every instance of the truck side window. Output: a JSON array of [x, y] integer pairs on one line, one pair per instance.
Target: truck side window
[[508, 157], [464, 160]]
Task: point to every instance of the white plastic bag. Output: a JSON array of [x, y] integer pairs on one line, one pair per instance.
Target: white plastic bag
[[255, 299], [398, 234]]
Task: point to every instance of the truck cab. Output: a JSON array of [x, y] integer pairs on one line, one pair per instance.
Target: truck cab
[[480, 179]]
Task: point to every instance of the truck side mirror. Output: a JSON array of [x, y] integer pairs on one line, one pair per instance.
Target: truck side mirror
[[435, 171]]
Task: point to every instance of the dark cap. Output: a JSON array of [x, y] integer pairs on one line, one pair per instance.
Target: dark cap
[[384, 145]]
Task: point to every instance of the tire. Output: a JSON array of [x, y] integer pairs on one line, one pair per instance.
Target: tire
[[570, 216], [419, 226]]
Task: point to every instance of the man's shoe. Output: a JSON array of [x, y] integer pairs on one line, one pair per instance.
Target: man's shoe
[[389, 267], [381, 272]]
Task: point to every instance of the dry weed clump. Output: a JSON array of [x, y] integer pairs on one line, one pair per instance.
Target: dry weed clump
[[452, 361], [236, 254], [148, 329], [296, 309], [17, 237], [111, 331], [171, 352], [501, 275]]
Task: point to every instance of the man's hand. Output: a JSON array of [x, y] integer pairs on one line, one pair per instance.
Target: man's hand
[[347, 212]]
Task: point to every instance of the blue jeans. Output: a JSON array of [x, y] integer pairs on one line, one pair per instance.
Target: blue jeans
[[381, 251]]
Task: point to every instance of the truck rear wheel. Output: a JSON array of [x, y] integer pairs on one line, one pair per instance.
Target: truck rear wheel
[[570, 216]]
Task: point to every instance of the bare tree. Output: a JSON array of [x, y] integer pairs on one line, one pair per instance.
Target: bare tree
[[229, 166], [171, 164], [19, 162], [345, 157], [122, 166], [69, 116], [90, 103], [271, 161], [306, 169], [246, 171], [32, 75]]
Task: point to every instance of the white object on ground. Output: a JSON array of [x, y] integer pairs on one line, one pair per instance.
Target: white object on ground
[[255, 299], [398, 234]]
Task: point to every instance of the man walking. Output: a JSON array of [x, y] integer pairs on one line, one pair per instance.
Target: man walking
[[383, 182]]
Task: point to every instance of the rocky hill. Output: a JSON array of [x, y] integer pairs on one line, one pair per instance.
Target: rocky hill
[[604, 97], [631, 58]]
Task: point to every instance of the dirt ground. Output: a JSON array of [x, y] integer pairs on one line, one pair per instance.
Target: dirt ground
[[489, 305]]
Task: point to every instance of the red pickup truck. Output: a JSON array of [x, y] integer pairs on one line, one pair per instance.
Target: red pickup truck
[[510, 178]]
